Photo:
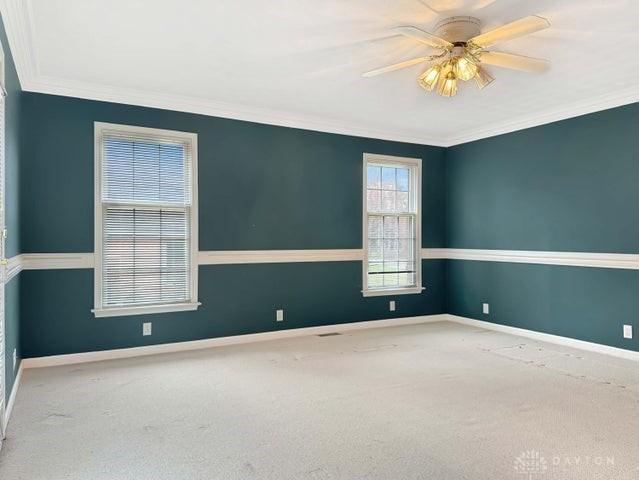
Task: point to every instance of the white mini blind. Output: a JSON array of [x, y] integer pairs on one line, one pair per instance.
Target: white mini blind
[[146, 211]]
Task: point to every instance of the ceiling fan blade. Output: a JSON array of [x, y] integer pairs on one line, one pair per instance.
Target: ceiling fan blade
[[518, 28], [423, 37], [396, 66], [515, 62]]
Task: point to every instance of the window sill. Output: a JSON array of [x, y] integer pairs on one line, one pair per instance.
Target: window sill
[[391, 291], [145, 310]]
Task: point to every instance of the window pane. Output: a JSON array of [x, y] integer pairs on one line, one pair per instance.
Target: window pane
[[391, 280], [406, 279], [375, 281], [388, 201], [390, 249], [375, 250], [391, 227], [374, 200], [388, 178], [145, 171], [405, 248], [172, 174], [145, 256], [406, 227], [118, 169], [402, 179], [375, 227], [402, 202], [374, 177]]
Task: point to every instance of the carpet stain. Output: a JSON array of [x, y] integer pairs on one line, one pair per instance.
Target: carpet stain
[[56, 419]]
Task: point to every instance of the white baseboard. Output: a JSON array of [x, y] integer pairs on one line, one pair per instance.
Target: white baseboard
[[72, 358], [85, 357], [547, 337], [12, 398]]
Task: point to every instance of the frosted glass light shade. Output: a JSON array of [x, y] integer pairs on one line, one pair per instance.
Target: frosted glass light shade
[[428, 79], [483, 78], [448, 85], [464, 68]]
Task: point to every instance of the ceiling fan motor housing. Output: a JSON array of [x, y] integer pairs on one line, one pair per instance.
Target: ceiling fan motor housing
[[458, 29]]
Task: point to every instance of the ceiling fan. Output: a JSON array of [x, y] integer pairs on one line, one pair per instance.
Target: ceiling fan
[[462, 50]]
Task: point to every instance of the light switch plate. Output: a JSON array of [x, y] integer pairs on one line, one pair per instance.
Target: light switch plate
[[391, 305], [146, 328], [279, 316], [486, 308], [627, 331]]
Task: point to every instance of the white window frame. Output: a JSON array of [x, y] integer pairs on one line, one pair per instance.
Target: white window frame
[[99, 310], [415, 164]]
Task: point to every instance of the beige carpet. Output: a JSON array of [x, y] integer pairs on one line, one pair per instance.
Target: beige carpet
[[433, 401]]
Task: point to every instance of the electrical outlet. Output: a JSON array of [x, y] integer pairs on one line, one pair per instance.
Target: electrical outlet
[[279, 316], [627, 331], [146, 328], [486, 309], [391, 305], [15, 359]]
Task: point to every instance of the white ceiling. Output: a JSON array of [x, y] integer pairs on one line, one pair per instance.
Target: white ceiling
[[299, 62]]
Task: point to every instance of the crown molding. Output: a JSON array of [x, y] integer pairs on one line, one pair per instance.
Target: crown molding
[[18, 22], [105, 93], [575, 109]]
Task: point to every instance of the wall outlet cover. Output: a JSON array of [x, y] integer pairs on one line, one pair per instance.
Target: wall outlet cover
[[15, 359], [279, 316], [146, 328], [391, 305], [627, 331], [486, 308]]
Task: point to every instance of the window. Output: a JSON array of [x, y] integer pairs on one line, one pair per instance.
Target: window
[[392, 225], [146, 220]]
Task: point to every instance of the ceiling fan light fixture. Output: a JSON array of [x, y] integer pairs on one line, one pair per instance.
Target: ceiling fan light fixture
[[465, 68], [448, 85], [483, 78], [461, 52], [428, 79]]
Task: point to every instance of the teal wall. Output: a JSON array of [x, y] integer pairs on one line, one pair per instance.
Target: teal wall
[[260, 187], [565, 186], [13, 142]]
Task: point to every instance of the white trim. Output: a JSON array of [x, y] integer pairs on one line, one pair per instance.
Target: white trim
[[220, 109], [415, 165], [45, 261], [99, 129], [593, 104], [145, 310], [12, 398], [547, 337], [14, 266], [277, 256], [18, 24], [97, 356], [385, 292], [222, 341], [575, 259]]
